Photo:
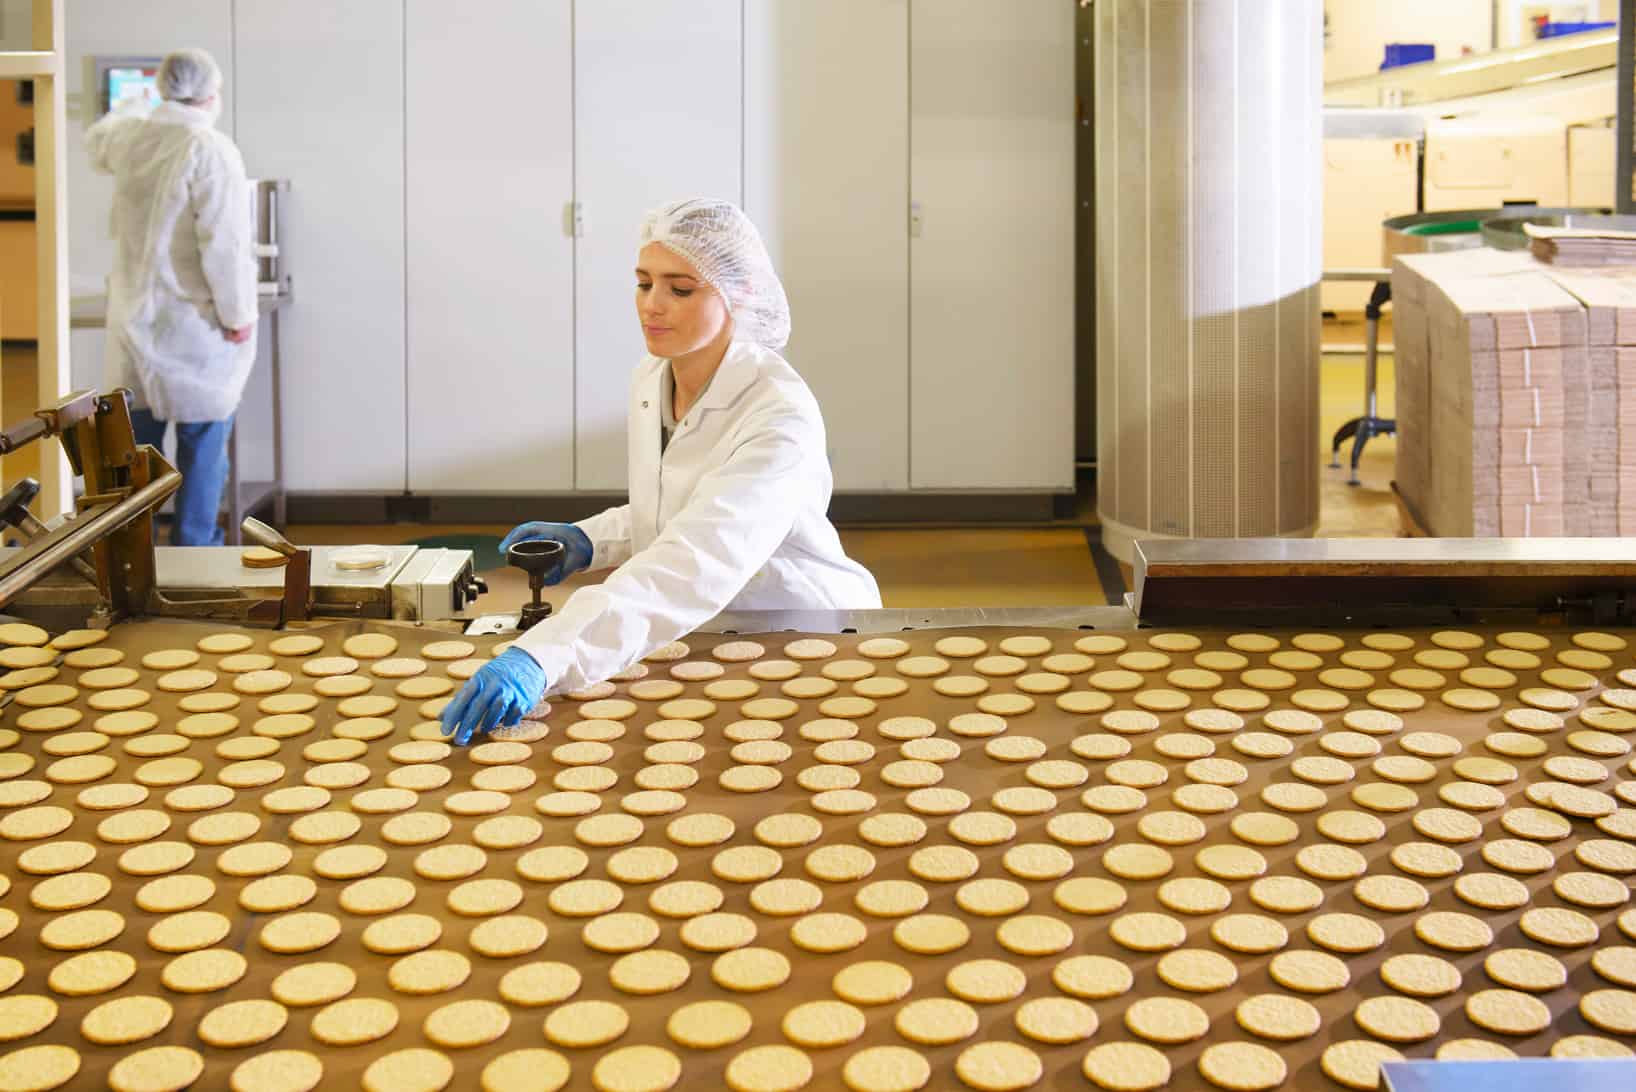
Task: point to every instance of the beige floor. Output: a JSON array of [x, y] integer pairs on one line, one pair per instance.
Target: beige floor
[[1365, 510], [931, 567]]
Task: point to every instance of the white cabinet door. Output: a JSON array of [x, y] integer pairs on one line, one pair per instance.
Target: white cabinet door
[[992, 266], [320, 102], [658, 116], [826, 178], [490, 267]]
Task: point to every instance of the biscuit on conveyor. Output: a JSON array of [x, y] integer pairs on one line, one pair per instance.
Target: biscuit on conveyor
[[886, 1069], [1166, 1020], [821, 1024], [1355, 1063], [930, 1021], [1127, 1067], [158, 1068], [527, 1070], [466, 1023], [998, 1067], [415, 1069], [773, 1068], [931, 934], [1589, 1046], [535, 984], [1242, 1067], [1420, 975], [1197, 970], [1508, 1012], [1610, 1010]]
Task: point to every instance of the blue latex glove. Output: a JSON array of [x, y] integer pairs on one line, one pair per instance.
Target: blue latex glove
[[497, 696], [576, 545]]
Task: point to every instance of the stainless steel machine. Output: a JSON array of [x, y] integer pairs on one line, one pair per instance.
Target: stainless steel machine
[[99, 564]]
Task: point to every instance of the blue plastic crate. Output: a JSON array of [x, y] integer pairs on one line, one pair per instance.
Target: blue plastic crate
[[1558, 30], [1402, 53]]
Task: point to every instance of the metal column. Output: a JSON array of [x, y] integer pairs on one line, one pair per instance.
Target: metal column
[[1625, 132]]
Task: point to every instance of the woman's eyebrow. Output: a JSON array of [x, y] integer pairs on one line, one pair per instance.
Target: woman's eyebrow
[[640, 272]]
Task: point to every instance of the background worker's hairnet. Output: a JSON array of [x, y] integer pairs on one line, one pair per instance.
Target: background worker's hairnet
[[189, 75], [726, 249]]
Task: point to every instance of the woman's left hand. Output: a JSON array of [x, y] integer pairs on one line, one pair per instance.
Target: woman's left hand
[[497, 696]]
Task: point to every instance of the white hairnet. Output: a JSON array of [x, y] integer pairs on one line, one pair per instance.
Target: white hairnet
[[189, 75], [726, 249]]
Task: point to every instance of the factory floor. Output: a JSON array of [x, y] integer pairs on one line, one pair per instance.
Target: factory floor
[[1054, 565]]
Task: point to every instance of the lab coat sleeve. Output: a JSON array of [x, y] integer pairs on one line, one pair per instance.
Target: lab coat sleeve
[[104, 137], [737, 517], [610, 535], [220, 197]]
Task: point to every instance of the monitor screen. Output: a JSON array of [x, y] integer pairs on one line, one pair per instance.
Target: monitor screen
[[125, 83]]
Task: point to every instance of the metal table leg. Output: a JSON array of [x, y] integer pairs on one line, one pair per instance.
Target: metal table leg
[[235, 515], [279, 515], [1362, 429]]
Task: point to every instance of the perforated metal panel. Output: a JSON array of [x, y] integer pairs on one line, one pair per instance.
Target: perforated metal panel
[[1209, 225]]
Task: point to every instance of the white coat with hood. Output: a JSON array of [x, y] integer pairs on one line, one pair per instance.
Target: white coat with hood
[[732, 516], [184, 266]]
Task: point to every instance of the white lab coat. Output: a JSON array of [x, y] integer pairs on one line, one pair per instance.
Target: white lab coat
[[184, 266], [733, 516]]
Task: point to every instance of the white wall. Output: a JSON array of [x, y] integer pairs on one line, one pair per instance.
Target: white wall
[[992, 278], [447, 335], [819, 78], [488, 400], [1516, 25], [1358, 31], [319, 101], [658, 116]]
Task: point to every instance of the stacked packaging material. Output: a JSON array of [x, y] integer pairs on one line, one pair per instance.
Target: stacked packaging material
[[1609, 299], [1504, 383], [1412, 476], [1588, 247]]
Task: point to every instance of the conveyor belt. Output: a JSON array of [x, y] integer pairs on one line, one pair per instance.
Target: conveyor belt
[[1148, 680]]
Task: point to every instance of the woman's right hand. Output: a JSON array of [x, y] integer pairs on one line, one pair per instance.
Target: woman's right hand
[[576, 545]]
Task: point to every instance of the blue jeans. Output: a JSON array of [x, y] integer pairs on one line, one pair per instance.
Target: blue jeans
[[201, 456]]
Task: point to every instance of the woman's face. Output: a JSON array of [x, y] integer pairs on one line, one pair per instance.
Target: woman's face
[[679, 312]]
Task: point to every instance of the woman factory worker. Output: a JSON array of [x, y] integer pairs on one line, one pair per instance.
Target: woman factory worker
[[182, 295], [729, 479]]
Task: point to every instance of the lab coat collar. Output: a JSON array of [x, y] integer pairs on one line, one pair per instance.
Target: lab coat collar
[[180, 113], [735, 373]]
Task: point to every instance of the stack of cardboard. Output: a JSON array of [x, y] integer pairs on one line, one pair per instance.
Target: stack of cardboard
[[1504, 385], [1609, 299], [1412, 476], [1581, 246]]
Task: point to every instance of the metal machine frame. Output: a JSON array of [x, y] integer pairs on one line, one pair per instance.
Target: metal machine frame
[[113, 523], [1277, 582]]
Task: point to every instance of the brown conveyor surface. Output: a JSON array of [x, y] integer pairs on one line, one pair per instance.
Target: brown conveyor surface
[[974, 772]]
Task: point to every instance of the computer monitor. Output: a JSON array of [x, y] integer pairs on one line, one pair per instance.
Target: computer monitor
[[127, 79]]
